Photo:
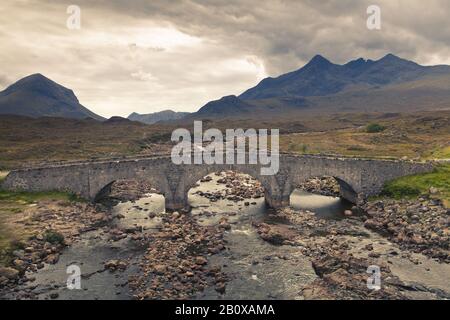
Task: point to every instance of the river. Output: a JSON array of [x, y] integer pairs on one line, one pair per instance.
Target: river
[[255, 268]]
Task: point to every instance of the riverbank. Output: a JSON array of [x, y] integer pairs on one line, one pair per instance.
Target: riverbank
[[36, 228], [230, 246]]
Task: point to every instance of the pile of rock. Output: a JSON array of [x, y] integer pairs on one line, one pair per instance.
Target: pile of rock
[[113, 265], [420, 225], [326, 186], [176, 262], [342, 276], [238, 187], [277, 234], [130, 190]]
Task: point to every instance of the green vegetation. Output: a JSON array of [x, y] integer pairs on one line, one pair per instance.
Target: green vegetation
[[22, 197], [374, 128], [300, 148], [53, 237], [415, 136], [12, 205], [440, 153], [413, 186], [6, 251]]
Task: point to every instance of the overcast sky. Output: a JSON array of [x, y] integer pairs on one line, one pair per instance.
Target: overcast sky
[[147, 56]]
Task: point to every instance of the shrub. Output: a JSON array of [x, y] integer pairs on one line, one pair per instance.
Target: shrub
[[53, 237], [304, 148], [374, 128]]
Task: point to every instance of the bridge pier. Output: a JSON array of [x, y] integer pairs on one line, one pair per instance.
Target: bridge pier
[[277, 201], [176, 204]]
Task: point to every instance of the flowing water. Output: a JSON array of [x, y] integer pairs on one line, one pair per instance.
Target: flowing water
[[255, 268]]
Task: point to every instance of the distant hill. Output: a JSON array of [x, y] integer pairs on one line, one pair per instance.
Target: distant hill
[[151, 118], [118, 120], [385, 85], [37, 96]]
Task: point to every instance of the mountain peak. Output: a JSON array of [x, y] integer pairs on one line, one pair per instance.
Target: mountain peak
[[34, 79], [318, 60], [37, 95], [390, 58], [36, 76]]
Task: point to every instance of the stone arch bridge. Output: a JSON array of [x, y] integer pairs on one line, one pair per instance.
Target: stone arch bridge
[[358, 178]]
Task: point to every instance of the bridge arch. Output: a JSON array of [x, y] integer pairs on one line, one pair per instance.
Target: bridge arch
[[194, 173], [107, 189], [346, 190]]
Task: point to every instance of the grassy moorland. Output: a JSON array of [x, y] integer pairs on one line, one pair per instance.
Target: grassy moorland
[[415, 136], [26, 141], [15, 224]]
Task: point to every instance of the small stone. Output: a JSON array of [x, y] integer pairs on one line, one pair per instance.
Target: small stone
[[53, 258], [122, 265], [111, 264], [434, 190], [201, 261], [220, 287], [19, 263], [54, 295], [9, 273], [160, 269]]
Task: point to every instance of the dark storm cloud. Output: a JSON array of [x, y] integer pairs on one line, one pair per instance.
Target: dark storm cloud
[[150, 55], [287, 33]]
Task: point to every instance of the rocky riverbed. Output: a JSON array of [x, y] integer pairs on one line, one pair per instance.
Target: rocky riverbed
[[52, 225], [421, 226], [231, 246]]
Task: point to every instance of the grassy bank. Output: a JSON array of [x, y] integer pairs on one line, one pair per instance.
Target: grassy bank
[[416, 185], [12, 206]]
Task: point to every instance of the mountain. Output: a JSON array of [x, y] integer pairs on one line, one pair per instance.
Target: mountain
[[388, 84], [224, 106], [234, 107], [37, 96], [151, 118], [320, 77]]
